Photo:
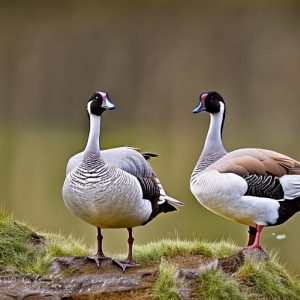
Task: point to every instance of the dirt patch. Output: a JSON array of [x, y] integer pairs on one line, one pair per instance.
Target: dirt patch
[[36, 239], [232, 263]]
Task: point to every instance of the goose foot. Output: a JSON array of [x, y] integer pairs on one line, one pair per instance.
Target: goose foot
[[125, 264], [96, 259]]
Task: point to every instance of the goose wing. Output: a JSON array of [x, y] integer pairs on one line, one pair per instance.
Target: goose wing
[[257, 161], [126, 158], [268, 174], [265, 186], [129, 160]]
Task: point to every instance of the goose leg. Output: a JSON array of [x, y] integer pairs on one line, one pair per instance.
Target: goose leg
[[130, 244], [99, 255], [256, 244], [99, 243], [128, 263], [252, 234]]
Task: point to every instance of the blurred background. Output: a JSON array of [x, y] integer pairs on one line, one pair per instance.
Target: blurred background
[[154, 58]]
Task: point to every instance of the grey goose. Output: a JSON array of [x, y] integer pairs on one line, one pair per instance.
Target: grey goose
[[108, 196], [255, 187]]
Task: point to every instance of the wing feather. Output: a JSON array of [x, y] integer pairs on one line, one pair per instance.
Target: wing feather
[[266, 186], [245, 162]]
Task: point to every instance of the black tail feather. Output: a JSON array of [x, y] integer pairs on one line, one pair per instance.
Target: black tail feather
[[287, 209], [167, 207], [149, 155]]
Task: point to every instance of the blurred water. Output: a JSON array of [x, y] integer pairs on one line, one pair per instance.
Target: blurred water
[[154, 57], [33, 160]]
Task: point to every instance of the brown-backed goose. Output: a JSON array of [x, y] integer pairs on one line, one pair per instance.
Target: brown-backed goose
[[252, 186], [108, 196]]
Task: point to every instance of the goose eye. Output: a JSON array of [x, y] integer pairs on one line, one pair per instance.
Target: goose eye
[[98, 97]]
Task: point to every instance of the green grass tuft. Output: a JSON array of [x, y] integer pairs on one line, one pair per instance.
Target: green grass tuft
[[17, 251], [58, 245], [165, 286], [153, 252], [214, 285], [23, 251], [268, 279], [4, 215]]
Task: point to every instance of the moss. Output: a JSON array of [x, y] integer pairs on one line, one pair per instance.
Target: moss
[[214, 284], [165, 286]]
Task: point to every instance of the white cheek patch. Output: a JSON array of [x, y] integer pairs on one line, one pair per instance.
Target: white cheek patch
[[291, 186], [89, 107], [222, 107]]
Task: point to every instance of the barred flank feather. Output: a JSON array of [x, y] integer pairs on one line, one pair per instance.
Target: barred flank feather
[[264, 186]]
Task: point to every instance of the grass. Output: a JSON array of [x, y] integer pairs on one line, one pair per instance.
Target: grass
[[214, 285], [167, 248], [165, 286], [23, 251], [253, 280], [268, 279]]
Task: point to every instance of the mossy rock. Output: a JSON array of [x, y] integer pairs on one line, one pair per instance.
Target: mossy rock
[[35, 264]]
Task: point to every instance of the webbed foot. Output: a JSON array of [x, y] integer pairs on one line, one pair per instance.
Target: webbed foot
[[125, 264], [96, 259]]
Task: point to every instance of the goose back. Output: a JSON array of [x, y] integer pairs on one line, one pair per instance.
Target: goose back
[[126, 158]]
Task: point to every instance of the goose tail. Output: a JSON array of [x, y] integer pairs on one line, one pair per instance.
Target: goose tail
[[149, 155], [165, 198], [171, 200]]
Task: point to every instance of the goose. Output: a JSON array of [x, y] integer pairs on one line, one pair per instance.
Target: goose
[[255, 187], [124, 194]]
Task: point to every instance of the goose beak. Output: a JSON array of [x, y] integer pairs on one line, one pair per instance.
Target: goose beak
[[107, 104], [201, 107]]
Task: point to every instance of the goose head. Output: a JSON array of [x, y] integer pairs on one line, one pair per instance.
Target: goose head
[[98, 103], [212, 102]]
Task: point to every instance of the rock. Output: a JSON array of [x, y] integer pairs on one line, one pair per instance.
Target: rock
[[77, 278]]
